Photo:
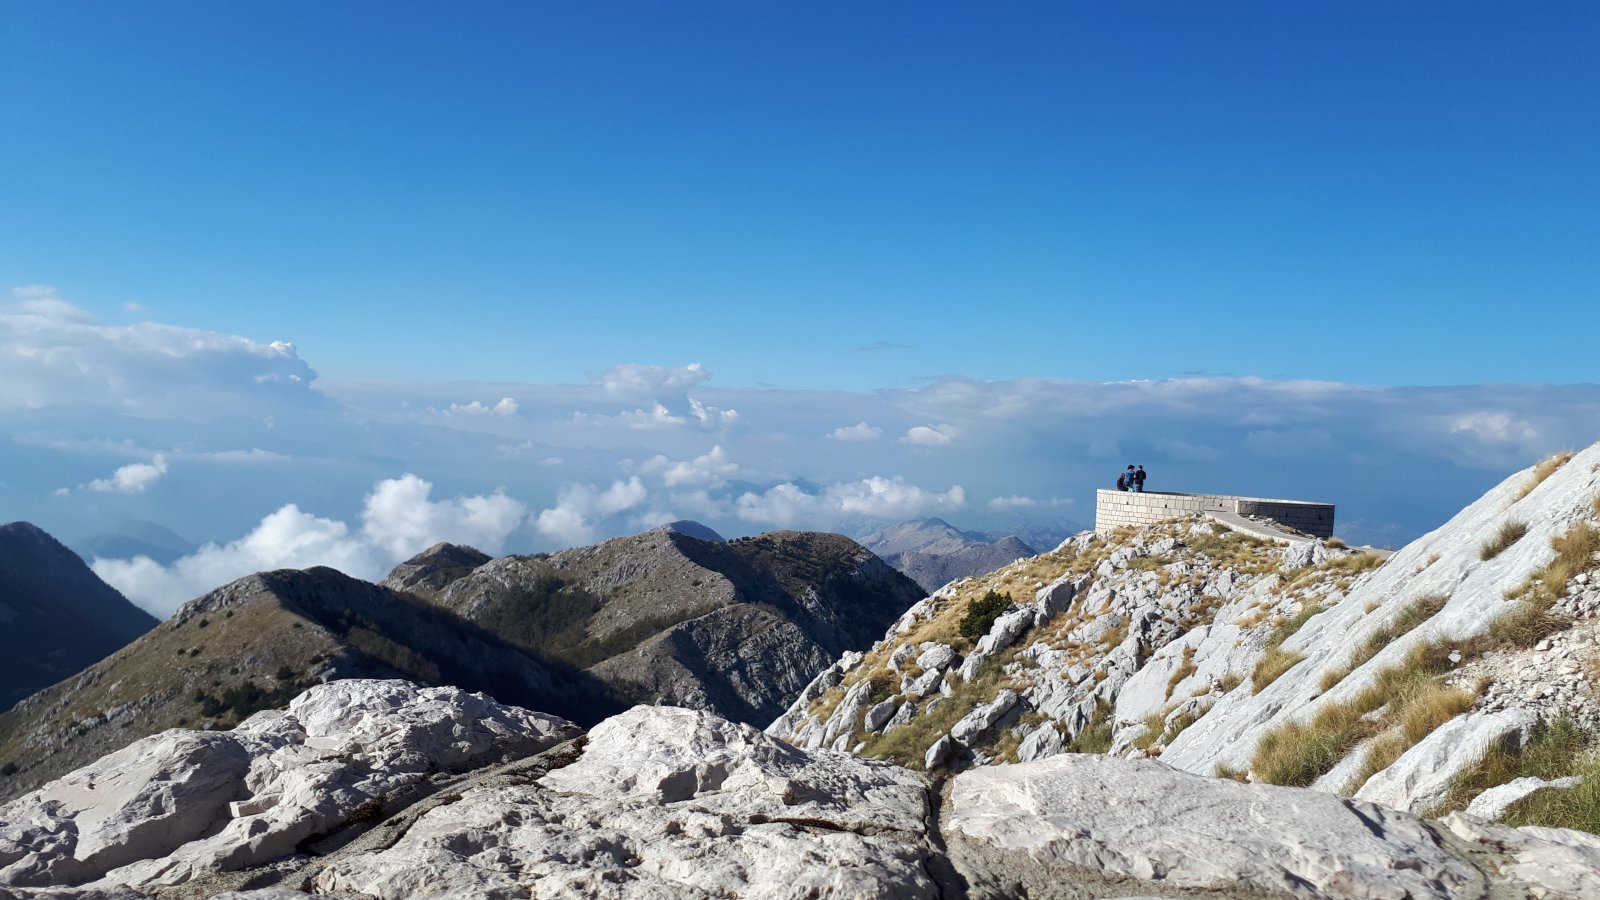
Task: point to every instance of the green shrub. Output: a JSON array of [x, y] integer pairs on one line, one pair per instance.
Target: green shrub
[[981, 614]]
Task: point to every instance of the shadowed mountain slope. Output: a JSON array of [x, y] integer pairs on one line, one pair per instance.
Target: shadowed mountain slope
[[56, 616], [257, 642], [736, 627]]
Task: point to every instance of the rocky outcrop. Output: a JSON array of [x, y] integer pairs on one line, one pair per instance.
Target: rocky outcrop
[[1202, 646], [1141, 819], [932, 552], [56, 616], [385, 789], [738, 627], [180, 804], [256, 643], [434, 569]]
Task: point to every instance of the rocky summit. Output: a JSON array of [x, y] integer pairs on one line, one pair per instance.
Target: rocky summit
[[385, 789], [1458, 673], [662, 617], [56, 616], [736, 627], [255, 644]]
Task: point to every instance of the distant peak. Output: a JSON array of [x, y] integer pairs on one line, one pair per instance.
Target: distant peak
[[691, 529]]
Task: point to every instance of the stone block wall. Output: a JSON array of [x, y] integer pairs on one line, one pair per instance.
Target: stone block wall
[[1115, 509]]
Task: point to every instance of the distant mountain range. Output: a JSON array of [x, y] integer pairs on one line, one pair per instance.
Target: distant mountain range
[[932, 552], [134, 538], [662, 617], [56, 616]]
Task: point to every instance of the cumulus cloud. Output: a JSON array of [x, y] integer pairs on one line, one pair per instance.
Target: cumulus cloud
[[398, 520], [506, 406], [1013, 502], [712, 469], [633, 380], [579, 507], [133, 478], [54, 354], [869, 498], [929, 435], [859, 432], [253, 455]]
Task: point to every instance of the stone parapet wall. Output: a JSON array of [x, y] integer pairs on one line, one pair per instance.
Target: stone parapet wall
[[1116, 509]]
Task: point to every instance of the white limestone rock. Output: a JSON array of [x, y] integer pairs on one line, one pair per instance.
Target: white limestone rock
[[183, 802], [879, 715], [668, 802], [1493, 803], [1555, 863], [1186, 831], [1446, 562], [977, 723], [1042, 742], [1421, 778]]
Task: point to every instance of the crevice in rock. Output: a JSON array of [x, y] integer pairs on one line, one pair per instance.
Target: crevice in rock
[[938, 865]]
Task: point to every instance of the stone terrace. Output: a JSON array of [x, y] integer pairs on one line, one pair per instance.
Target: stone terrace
[[1116, 509]]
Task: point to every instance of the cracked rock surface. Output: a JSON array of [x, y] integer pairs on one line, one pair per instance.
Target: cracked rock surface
[[484, 800]]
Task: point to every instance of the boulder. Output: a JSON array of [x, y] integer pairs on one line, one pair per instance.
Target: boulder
[[667, 802], [1187, 831], [977, 723], [1539, 862], [184, 802], [1493, 803], [1421, 778]]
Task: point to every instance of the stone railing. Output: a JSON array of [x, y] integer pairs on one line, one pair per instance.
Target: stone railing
[[1115, 509]]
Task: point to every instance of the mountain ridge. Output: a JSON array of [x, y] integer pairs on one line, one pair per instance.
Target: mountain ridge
[[56, 615]]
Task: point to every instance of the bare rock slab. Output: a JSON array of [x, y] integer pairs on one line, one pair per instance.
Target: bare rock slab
[[668, 802], [181, 803], [1119, 819]]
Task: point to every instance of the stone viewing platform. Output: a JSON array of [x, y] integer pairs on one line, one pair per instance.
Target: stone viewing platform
[[1117, 509]]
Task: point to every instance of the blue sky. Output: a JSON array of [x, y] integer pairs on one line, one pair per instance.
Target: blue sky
[[873, 252]]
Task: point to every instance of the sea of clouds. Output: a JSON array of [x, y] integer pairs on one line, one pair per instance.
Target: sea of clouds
[[239, 444]]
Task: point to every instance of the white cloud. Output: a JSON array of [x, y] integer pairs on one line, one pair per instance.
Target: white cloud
[[869, 498], [861, 432], [1013, 502], [253, 455], [648, 382], [133, 478], [133, 306], [711, 469], [579, 507], [1494, 426], [711, 416], [506, 406], [398, 521], [929, 435], [54, 354]]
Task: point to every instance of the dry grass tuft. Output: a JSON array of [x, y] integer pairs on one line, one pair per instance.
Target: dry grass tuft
[[1509, 533], [1272, 664], [1415, 613], [1095, 736], [1276, 660], [1543, 470], [1414, 704], [1184, 670]]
